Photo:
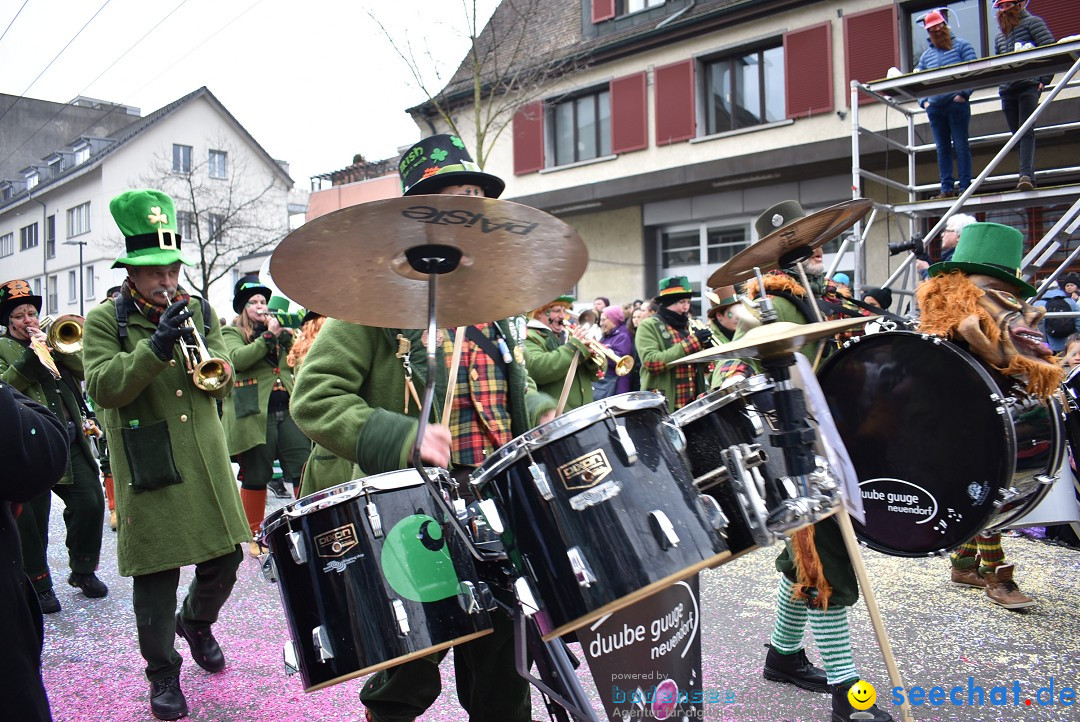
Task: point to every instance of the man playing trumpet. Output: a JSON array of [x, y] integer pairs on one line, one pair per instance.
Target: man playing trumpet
[[176, 497], [667, 337], [56, 387], [550, 350]]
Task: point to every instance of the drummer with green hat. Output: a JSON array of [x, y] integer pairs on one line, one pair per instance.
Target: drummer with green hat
[[176, 498], [667, 336]]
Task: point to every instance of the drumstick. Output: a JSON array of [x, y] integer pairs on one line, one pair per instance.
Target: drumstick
[[566, 384], [451, 380], [848, 533]]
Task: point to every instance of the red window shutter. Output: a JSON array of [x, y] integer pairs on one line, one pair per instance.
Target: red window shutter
[[1061, 17], [870, 46], [602, 10], [629, 122], [808, 71], [675, 119], [529, 138]]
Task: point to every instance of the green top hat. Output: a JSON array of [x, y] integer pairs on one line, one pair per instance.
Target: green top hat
[[675, 288], [990, 249], [439, 161], [15, 293], [247, 287], [147, 218], [563, 300]]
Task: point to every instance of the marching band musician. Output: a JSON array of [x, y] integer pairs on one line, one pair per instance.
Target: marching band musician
[[352, 396], [258, 427], [549, 358], [23, 366], [817, 582], [723, 313], [666, 337], [175, 491]]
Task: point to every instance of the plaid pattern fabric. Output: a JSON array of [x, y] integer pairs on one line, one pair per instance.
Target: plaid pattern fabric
[[479, 419], [150, 311], [686, 375]]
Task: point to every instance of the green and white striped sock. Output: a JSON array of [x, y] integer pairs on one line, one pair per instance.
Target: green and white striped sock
[[787, 635], [833, 637]]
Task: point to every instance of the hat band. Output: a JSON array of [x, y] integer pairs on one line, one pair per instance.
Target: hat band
[[163, 239]]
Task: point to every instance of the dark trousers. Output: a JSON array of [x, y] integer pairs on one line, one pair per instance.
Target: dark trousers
[[949, 123], [154, 599], [285, 442], [1018, 106], [84, 514]]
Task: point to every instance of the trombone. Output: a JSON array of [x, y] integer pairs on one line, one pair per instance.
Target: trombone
[[207, 373], [64, 332], [623, 364]]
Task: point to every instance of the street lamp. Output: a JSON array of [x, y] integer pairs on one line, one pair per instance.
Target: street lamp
[[82, 301]]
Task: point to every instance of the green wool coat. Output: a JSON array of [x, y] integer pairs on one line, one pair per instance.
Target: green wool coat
[[21, 368], [350, 394], [548, 361], [324, 469], [189, 522], [244, 410], [654, 343]]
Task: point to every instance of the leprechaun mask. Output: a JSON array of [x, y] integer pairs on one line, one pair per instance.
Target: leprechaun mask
[[998, 327]]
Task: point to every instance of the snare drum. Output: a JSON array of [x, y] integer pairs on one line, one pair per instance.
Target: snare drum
[[370, 578], [943, 447], [598, 509], [732, 461]]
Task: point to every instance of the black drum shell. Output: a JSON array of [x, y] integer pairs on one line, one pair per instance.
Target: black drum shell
[[924, 420], [616, 535], [354, 605]]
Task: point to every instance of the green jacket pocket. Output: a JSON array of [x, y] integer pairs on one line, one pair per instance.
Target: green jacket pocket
[[149, 456], [246, 398]]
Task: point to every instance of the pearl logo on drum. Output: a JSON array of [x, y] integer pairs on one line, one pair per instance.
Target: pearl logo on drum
[[585, 471], [336, 542]]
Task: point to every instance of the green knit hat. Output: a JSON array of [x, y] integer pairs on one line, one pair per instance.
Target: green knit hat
[[675, 288], [147, 218], [990, 249]]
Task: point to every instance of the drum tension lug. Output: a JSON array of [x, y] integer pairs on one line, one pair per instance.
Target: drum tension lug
[[290, 658], [525, 596], [711, 508], [627, 444], [374, 519], [297, 547], [580, 566], [540, 479], [401, 616], [468, 598], [269, 569], [663, 529], [320, 639]]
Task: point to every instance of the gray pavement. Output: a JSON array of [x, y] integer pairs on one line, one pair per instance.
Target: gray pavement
[[941, 634]]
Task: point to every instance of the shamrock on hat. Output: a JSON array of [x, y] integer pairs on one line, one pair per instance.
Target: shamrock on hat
[[147, 218]]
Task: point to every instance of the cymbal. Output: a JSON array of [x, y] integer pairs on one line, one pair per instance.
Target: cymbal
[[352, 264], [774, 339], [794, 240]]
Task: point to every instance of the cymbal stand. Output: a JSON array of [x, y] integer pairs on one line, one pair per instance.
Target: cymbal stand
[[556, 672]]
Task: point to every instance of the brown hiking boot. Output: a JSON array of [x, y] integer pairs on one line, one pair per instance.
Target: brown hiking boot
[[969, 577], [1002, 590]]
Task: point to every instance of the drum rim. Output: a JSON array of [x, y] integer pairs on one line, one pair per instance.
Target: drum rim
[[720, 398], [559, 428], [339, 494]]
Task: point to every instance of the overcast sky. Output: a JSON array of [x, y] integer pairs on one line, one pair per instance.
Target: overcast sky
[[314, 82]]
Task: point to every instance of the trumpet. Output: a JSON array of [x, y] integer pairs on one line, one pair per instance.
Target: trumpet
[[696, 325], [207, 373], [64, 332], [623, 364]]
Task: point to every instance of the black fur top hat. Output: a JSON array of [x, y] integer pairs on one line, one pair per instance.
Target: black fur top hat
[[439, 161], [247, 287]]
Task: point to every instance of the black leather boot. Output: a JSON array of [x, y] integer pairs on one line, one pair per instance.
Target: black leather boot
[[842, 711], [794, 669], [48, 602], [204, 648], [167, 699], [90, 585]]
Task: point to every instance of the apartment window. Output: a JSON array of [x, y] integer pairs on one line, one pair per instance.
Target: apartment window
[[51, 302], [82, 154], [7, 245], [184, 223], [633, 6], [214, 225], [89, 287], [28, 237], [56, 167], [78, 220], [695, 250], [744, 90], [219, 167], [37, 286], [31, 180], [73, 282], [50, 237], [581, 127], [181, 158]]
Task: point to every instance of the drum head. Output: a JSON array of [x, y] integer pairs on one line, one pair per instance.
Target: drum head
[[930, 440]]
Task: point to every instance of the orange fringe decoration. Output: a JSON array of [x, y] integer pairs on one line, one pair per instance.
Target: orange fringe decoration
[[774, 282], [946, 300], [308, 332], [808, 570]]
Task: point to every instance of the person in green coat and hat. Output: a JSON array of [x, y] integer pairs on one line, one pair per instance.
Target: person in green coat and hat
[[176, 496], [548, 358], [351, 397]]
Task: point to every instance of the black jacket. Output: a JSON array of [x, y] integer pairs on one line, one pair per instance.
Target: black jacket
[[1032, 29]]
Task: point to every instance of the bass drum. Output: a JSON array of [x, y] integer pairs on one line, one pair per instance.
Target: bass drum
[[370, 577], [943, 447]]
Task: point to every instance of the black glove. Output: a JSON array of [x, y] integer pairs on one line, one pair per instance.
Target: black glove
[[170, 328], [703, 335]]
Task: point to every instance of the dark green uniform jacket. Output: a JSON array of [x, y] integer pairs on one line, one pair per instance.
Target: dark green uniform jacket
[[244, 411], [548, 361]]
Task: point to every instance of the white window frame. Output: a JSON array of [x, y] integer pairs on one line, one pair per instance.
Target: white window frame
[[78, 220], [178, 158], [73, 286], [7, 245], [218, 164], [89, 281], [29, 237]]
